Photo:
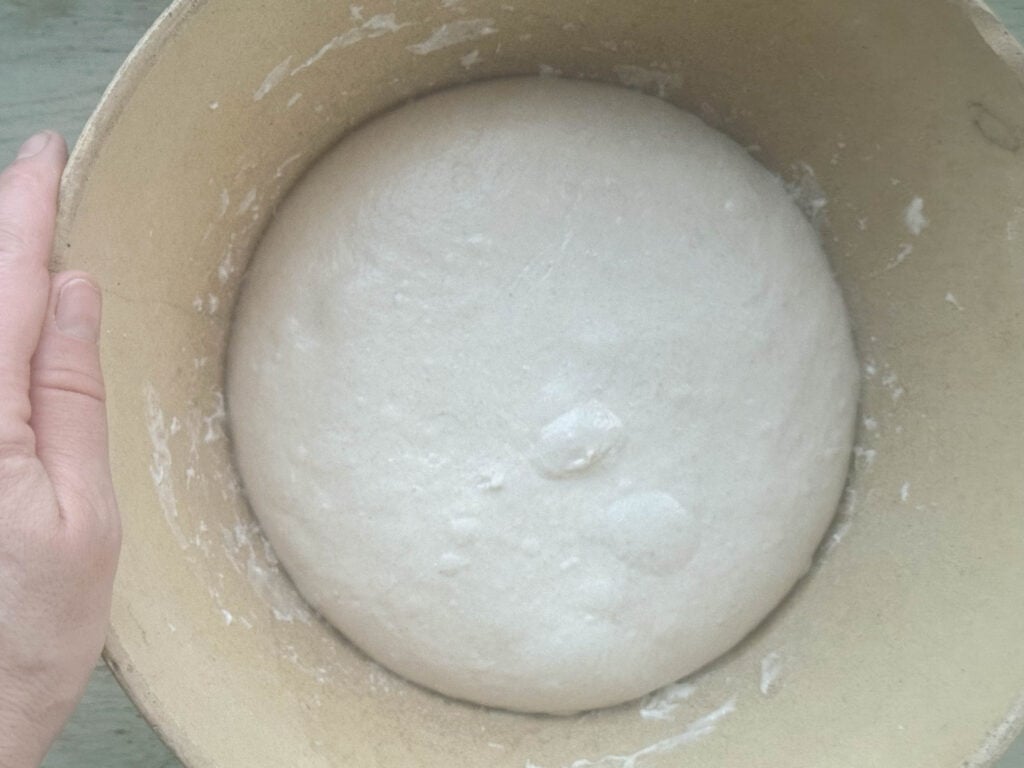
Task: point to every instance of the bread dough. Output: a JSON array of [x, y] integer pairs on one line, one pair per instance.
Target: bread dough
[[543, 392]]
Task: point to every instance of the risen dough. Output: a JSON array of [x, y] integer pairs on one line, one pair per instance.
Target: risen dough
[[542, 391]]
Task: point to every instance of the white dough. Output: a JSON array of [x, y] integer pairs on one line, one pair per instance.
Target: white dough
[[543, 392]]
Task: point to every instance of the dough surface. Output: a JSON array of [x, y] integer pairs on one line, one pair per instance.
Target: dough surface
[[543, 392]]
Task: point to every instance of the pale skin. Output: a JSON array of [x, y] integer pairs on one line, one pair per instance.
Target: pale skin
[[59, 525]]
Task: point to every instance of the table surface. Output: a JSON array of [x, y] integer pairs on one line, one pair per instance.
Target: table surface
[[56, 57]]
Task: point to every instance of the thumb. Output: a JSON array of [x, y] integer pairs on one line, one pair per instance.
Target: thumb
[[68, 399]]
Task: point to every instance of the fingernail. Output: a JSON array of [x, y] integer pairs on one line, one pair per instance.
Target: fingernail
[[78, 310], [34, 145]]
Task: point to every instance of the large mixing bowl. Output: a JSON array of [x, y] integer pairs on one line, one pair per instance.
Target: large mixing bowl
[[901, 131]]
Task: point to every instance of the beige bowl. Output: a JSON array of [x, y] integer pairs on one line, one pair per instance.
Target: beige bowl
[[903, 646]]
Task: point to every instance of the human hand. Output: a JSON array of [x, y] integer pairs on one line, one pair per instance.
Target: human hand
[[59, 525]]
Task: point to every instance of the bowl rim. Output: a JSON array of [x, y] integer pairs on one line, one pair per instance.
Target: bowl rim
[[109, 108], [73, 180]]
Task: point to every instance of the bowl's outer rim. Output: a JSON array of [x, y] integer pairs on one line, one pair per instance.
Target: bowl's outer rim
[[90, 144], [83, 156], [109, 108], [998, 37]]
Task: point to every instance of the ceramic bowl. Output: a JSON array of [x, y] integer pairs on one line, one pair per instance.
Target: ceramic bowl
[[900, 129]]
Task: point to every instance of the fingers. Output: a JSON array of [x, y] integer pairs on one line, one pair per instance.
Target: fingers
[[69, 415], [28, 205]]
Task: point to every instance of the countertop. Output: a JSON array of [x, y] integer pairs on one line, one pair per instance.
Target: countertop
[[56, 57]]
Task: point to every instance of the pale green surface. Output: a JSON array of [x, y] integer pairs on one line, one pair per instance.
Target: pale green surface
[[56, 57]]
